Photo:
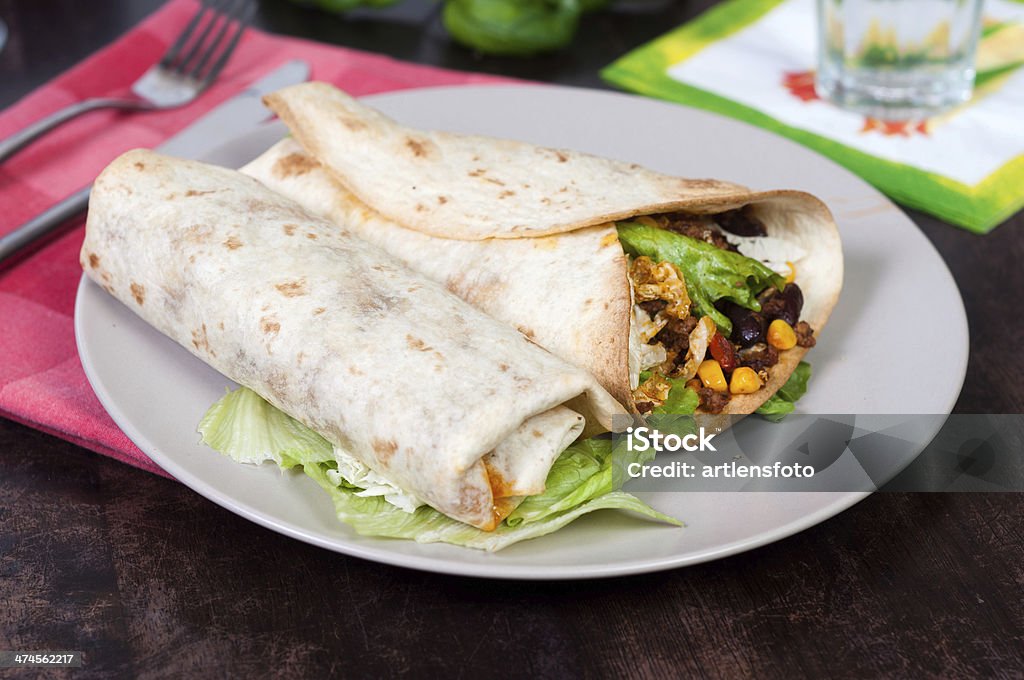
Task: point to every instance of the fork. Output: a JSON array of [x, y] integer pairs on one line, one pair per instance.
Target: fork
[[191, 63]]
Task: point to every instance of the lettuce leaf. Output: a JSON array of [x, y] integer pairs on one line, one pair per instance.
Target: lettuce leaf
[[781, 404], [681, 400], [711, 274], [246, 428]]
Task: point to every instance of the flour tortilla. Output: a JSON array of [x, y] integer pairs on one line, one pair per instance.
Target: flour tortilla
[[471, 187], [568, 291], [446, 402]]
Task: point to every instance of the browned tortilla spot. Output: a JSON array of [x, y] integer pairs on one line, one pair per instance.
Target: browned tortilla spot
[[293, 288], [233, 242], [289, 229], [701, 183], [299, 357], [417, 147], [269, 325], [353, 124], [385, 449], [537, 433], [528, 332], [138, 292], [477, 173], [311, 236], [562, 158], [198, 234], [193, 192], [503, 367], [140, 165], [506, 193], [354, 371], [417, 344], [293, 165], [494, 181], [442, 199], [420, 207], [319, 310], [200, 340], [94, 260]]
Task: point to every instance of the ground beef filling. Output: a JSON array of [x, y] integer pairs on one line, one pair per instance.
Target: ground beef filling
[[697, 227], [675, 337], [748, 336], [712, 401]]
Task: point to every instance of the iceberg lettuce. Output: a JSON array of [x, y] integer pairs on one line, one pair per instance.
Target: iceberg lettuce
[[243, 426]]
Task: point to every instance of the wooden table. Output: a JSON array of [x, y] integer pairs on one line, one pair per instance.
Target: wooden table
[[149, 578]]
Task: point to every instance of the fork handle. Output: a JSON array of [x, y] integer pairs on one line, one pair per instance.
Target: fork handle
[[44, 223], [9, 146]]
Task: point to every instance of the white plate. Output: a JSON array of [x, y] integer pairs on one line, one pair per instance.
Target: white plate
[[897, 342]]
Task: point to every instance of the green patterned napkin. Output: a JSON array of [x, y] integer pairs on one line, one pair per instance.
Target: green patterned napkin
[[754, 60]]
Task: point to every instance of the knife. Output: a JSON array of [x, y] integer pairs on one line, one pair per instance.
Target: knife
[[244, 111]]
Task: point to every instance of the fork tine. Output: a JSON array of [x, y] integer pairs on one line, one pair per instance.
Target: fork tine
[[247, 9], [235, 11], [172, 52], [216, 14]]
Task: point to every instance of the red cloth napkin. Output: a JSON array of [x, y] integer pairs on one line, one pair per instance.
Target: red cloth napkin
[[41, 379]]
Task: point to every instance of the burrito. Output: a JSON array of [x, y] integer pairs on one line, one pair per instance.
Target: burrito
[[677, 294], [423, 417]]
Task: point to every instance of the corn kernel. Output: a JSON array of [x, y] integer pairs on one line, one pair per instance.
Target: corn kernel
[[791, 276], [744, 381], [694, 384], [647, 221], [781, 335], [711, 375]]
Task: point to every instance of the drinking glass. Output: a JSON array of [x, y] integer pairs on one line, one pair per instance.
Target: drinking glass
[[897, 59]]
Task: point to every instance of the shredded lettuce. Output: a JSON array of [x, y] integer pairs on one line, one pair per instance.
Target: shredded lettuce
[[711, 274], [246, 428], [781, 404]]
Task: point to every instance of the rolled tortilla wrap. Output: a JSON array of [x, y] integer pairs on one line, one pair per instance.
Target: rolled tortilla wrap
[[449, 404], [568, 291]]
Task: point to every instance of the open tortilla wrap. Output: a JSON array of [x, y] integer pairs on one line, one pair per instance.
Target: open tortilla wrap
[[524, 233], [392, 369]]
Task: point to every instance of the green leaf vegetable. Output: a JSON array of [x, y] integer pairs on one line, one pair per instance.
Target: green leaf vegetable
[[781, 404], [711, 274], [344, 5], [513, 27], [246, 428]]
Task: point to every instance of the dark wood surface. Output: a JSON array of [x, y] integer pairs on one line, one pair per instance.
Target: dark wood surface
[[150, 579]]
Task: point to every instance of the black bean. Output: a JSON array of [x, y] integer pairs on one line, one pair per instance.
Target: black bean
[[741, 222], [748, 327], [794, 298], [785, 305]]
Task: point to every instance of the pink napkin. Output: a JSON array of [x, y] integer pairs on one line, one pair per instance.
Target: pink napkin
[[41, 379]]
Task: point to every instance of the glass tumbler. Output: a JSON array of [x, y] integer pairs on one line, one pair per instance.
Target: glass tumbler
[[897, 59]]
